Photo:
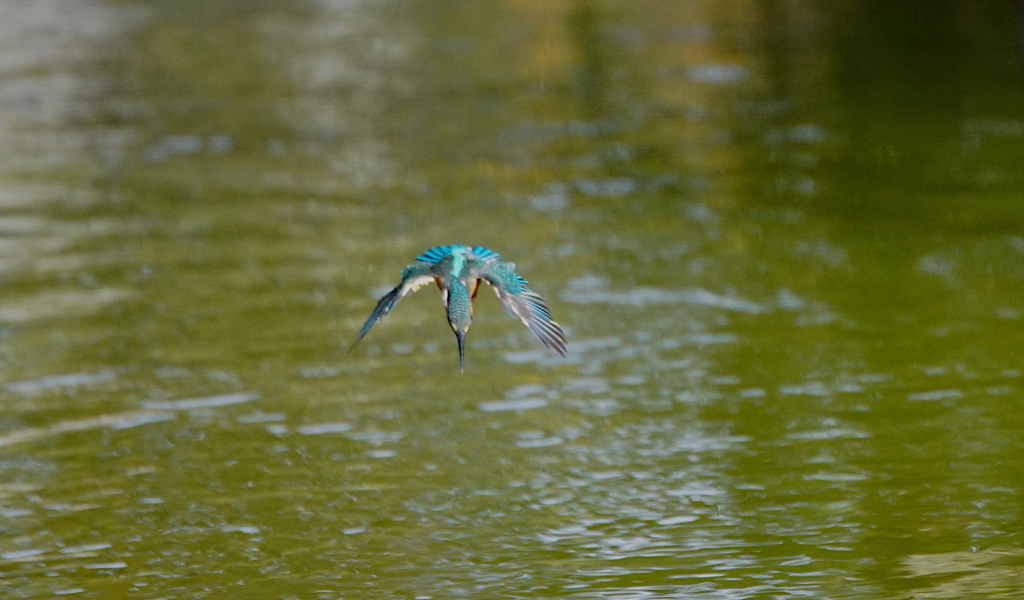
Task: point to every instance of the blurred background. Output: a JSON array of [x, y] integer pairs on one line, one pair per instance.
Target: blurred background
[[785, 238]]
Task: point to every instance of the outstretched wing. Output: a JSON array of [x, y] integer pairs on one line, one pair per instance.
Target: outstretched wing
[[438, 253], [524, 304], [413, 278]]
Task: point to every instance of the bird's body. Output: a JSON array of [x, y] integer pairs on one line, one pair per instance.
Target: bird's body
[[458, 271]]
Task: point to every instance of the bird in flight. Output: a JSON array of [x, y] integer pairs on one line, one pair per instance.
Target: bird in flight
[[458, 271]]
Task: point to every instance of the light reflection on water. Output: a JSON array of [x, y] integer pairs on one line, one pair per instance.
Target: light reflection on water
[[767, 392]]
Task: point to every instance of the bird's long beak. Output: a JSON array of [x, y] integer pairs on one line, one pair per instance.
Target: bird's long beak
[[462, 350]]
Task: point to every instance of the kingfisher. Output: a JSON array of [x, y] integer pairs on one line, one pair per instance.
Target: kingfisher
[[458, 271]]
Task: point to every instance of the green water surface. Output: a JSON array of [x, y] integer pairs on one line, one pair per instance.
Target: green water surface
[[786, 241]]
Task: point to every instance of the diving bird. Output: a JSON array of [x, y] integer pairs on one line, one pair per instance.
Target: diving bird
[[458, 271]]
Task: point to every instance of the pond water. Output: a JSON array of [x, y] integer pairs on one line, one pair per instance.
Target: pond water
[[786, 242]]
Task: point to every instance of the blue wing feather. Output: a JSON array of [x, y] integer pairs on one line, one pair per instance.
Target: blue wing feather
[[413, 277], [383, 307], [435, 254], [487, 254], [526, 305], [438, 253]]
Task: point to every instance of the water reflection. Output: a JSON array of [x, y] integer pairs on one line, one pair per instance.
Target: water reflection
[[991, 573], [789, 282]]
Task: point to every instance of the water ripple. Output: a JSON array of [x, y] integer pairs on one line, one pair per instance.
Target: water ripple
[[646, 296], [203, 402], [33, 386], [116, 421]]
